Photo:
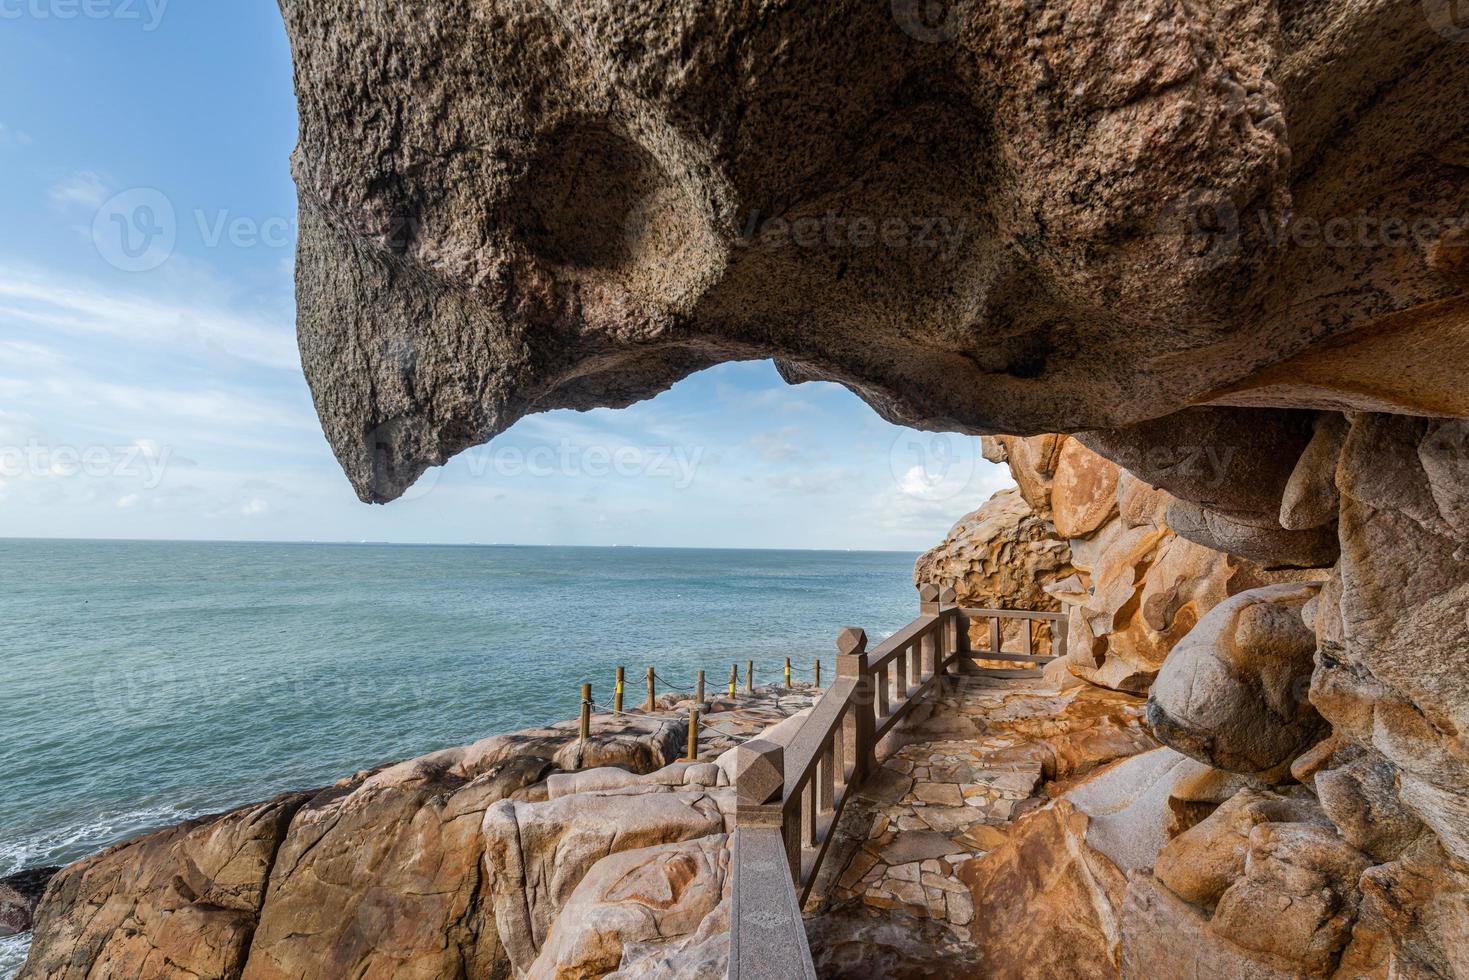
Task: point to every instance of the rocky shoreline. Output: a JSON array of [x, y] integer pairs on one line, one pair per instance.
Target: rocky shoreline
[[451, 863]]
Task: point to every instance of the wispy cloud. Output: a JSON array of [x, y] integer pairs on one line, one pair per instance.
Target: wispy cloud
[[14, 137], [86, 188], [80, 308]]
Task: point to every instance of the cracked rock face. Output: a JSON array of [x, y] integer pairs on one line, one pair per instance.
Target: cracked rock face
[[1004, 218]]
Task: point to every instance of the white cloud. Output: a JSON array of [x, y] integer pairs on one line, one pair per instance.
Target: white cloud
[[85, 188], [14, 137], [254, 507], [82, 309], [131, 500]]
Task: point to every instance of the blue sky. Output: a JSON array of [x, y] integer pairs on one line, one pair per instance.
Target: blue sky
[[150, 388]]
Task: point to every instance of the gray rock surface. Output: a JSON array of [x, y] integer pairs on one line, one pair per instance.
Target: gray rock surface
[[1233, 693], [1023, 219]]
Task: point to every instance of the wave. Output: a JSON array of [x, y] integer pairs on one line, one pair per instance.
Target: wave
[[75, 841], [13, 955]]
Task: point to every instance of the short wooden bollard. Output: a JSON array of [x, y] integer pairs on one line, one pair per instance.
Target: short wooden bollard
[[750, 676], [699, 688], [652, 692], [693, 734], [734, 678], [586, 711], [818, 673], [788, 673], [617, 694]]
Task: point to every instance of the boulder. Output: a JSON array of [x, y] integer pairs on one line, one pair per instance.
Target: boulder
[[536, 854], [1084, 490], [653, 894], [1233, 693], [701, 955], [1201, 863], [1164, 936], [19, 894], [1360, 799], [1297, 898], [179, 904]]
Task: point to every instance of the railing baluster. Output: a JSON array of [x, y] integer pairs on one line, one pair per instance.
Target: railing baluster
[[808, 815], [900, 676], [829, 775], [996, 643], [881, 678], [839, 750]]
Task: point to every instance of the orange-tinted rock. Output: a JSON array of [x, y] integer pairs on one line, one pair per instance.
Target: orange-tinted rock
[[179, 904], [1044, 901], [1083, 490]]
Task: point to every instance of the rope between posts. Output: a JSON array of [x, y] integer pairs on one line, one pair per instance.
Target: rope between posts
[[703, 725]]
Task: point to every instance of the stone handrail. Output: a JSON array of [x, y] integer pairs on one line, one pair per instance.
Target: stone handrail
[[790, 797]]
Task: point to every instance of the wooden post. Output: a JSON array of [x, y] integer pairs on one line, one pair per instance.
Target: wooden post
[[586, 711], [734, 678], [788, 673], [617, 694], [693, 734], [699, 688], [818, 671], [857, 747], [652, 692], [995, 639], [750, 676]]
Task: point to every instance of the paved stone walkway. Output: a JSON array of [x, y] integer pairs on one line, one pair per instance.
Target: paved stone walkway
[[942, 800]]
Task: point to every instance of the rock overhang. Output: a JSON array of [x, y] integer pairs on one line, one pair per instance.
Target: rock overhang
[[1021, 220]]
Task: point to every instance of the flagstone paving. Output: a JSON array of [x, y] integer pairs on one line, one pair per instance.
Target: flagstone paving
[[941, 800]]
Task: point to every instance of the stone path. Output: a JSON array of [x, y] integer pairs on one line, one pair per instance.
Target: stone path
[[942, 800]]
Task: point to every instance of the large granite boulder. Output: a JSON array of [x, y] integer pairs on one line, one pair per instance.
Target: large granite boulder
[[654, 894], [179, 904], [1233, 693]]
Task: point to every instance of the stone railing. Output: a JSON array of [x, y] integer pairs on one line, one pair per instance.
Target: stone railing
[[790, 797]]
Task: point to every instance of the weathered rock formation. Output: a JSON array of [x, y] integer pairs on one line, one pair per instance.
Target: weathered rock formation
[[453, 864], [19, 894], [978, 217], [1080, 530]]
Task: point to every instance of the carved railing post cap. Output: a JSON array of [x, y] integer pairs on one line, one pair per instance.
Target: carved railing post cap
[[948, 596], [928, 592], [851, 641], [759, 771]]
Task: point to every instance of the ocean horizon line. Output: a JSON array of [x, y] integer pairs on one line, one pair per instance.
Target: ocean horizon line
[[456, 544]]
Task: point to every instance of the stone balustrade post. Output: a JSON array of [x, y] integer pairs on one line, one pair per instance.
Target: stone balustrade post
[[857, 734]]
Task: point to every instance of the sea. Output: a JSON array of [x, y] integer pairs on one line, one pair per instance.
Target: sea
[[144, 683]]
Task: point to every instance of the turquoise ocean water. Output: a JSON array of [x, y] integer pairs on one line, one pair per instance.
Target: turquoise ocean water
[[142, 683]]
